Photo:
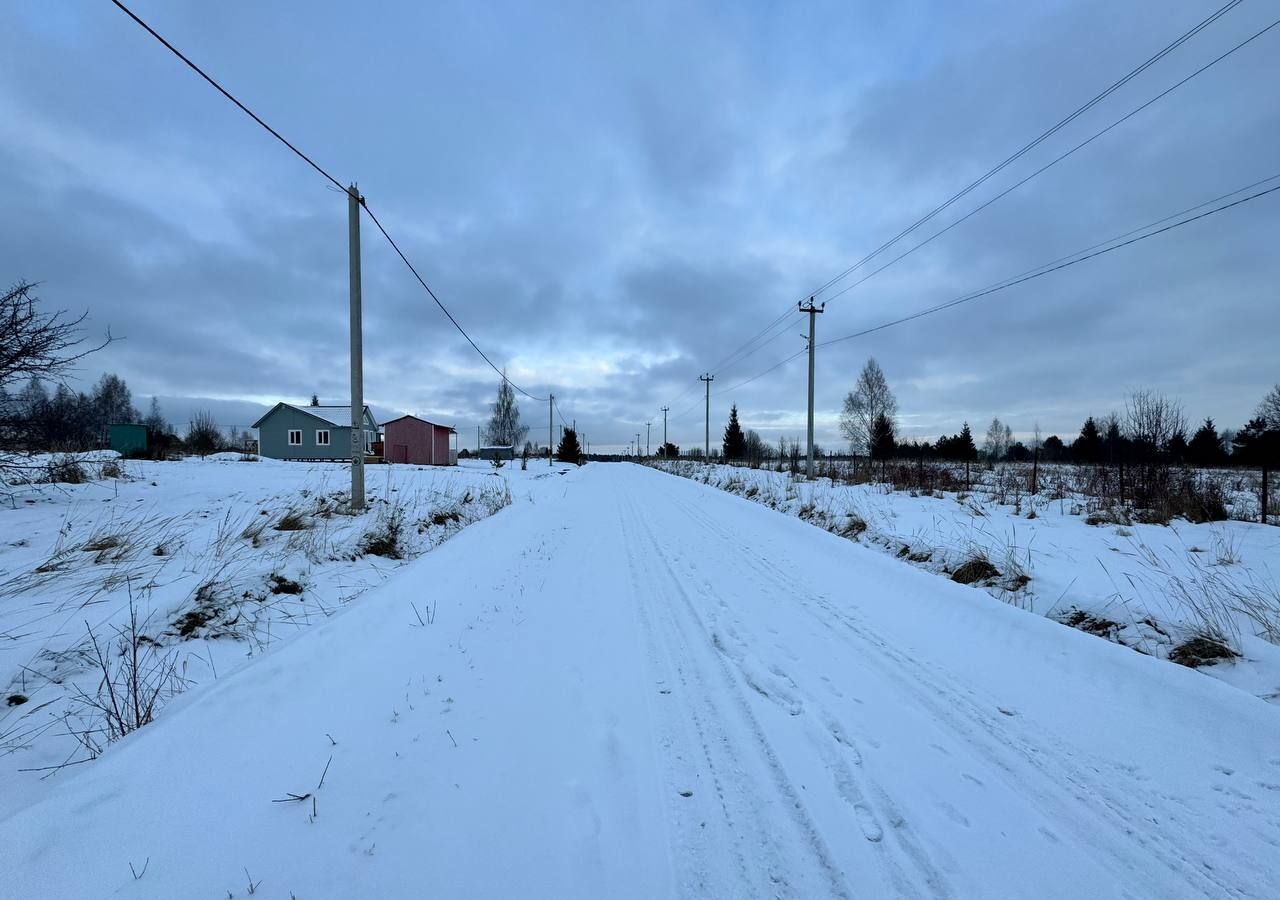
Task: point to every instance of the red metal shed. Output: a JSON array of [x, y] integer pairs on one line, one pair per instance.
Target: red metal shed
[[418, 442]]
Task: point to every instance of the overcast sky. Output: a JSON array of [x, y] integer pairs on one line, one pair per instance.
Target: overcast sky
[[612, 198]]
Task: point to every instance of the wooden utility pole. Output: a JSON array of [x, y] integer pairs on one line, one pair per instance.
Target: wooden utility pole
[[647, 451], [813, 312], [638, 444], [664, 429], [357, 352], [551, 427], [706, 450]]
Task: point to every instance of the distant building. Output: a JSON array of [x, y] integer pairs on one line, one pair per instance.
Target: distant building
[[497, 453], [418, 442], [312, 432], [127, 438]]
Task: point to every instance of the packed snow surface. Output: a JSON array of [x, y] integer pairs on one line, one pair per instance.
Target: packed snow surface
[[635, 685]]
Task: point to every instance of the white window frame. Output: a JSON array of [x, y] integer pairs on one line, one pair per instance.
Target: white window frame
[[325, 432], [292, 432]]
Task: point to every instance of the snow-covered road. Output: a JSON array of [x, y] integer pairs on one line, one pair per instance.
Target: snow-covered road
[[637, 686]]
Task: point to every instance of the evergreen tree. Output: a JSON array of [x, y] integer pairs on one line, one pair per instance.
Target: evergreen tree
[[1205, 447], [1113, 441], [668, 451], [734, 440], [569, 451], [883, 442], [315, 399], [1256, 443], [1087, 448], [1053, 449]]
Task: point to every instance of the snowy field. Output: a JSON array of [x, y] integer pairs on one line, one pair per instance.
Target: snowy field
[[1149, 587], [633, 685], [200, 565]]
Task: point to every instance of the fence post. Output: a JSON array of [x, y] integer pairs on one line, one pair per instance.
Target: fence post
[[1265, 489]]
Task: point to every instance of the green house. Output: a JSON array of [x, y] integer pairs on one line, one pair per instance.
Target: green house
[[311, 432], [128, 438]]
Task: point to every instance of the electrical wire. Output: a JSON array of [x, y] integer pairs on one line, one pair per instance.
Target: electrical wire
[[309, 161], [1093, 251], [1028, 147], [761, 338], [1073, 259], [1053, 162]]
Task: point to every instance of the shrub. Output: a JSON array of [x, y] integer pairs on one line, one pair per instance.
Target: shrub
[[1201, 650], [282, 585], [65, 470], [134, 680], [976, 568], [385, 539], [292, 520]]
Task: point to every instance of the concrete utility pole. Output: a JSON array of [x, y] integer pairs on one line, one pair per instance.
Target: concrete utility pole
[[637, 443], [813, 312], [647, 451], [664, 428], [708, 378], [357, 352], [551, 427]]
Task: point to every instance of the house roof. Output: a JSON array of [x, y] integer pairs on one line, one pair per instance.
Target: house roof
[[333, 415], [449, 428]]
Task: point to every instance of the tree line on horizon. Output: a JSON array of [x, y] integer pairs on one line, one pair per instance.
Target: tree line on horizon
[[1152, 428]]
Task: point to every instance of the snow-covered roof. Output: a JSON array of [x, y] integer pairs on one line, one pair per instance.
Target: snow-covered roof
[[334, 415]]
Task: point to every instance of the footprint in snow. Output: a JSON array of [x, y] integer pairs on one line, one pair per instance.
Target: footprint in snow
[[871, 829]]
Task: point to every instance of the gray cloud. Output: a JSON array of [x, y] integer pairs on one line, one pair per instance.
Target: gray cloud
[[612, 201]]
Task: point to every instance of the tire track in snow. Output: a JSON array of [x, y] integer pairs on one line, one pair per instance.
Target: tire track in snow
[[704, 679], [684, 735], [906, 863], [1047, 772]]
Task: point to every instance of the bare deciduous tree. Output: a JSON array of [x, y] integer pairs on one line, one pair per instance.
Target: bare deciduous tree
[[504, 428], [203, 436], [1269, 408], [869, 399], [1152, 419], [999, 437], [35, 344]]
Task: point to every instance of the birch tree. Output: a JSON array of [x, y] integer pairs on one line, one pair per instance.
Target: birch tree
[[870, 399]]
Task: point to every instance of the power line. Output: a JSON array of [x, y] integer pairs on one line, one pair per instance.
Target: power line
[[1026, 148], [762, 338], [1091, 252], [246, 110], [432, 295], [1074, 259], [309, 161], [1053, 162]]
